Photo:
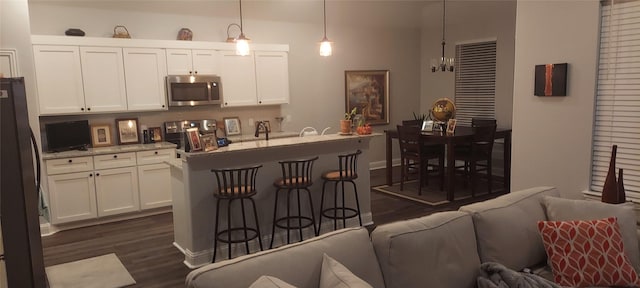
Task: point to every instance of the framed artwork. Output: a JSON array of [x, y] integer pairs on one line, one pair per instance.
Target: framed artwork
[[232, 126], [194, 139], [427, 125], [368, 92], [128, 131], [262, 128], [551, 80], [451, 126], [209, 142], [157, 134], [101, 135]]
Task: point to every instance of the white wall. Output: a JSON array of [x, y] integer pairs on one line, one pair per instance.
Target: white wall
[[552, 135], [367, 35]]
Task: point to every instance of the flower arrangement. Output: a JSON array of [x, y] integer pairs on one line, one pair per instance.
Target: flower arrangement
[[350, 115]]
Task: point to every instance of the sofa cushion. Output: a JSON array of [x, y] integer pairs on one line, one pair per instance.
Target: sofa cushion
[[506, 228], [335, 275], [298, 264], [560, 209], [438, 250], [270, 282], [587, 252]]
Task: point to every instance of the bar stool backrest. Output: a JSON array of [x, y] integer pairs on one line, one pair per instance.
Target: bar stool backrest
[[296, 173], [236, 182], [349, 165]]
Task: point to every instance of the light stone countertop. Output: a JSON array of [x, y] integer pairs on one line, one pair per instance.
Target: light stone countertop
[[108, 150], [279, 142], [272, 135]]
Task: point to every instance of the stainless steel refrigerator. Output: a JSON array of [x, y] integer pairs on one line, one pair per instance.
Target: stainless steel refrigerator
[[18, 193]]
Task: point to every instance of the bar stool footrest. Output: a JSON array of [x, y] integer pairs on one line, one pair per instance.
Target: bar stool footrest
[[253, 231], [295, 226], [353, 214]]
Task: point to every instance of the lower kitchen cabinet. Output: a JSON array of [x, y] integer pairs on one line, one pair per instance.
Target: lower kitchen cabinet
[[155, 185], [117, 191], [72, 197]]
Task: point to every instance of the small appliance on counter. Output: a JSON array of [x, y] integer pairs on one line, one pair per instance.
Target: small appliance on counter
[[175, 131]]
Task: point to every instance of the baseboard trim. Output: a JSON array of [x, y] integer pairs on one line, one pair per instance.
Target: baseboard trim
[[375, 165]]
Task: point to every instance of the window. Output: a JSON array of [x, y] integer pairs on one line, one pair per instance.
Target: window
[[617, 119], [475, 81]]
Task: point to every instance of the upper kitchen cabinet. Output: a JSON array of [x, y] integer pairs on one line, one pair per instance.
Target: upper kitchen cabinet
[[103, 79], [272, 77], [188, 62], [261, 78], [145, 71], [59, 79]]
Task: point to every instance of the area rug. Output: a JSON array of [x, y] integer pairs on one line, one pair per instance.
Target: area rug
[[430, 195], [104, 271]]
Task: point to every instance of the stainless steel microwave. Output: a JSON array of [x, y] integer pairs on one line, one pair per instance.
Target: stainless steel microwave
[[193, 90]]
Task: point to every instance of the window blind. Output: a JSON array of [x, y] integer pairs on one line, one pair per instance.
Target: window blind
[[617, 118], [475, 81]]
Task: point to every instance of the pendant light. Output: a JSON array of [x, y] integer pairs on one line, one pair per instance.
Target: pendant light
[[242, 42], [325, 45], [443, 63]]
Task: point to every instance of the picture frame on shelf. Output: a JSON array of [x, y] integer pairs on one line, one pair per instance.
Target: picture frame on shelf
[[157, 134], [194, 139], [368, 92], [261, 129], [427, 125], [128, 131], [232, 126], [209, 142], [101, 135], [451, 126]]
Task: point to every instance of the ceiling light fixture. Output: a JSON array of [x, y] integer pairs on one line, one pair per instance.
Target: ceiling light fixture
[[325, 45], [443, 63], [242, 42], [229, 38]]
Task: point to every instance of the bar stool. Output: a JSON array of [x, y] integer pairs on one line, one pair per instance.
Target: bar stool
[[347, 172], [296, 176], [236, 184]]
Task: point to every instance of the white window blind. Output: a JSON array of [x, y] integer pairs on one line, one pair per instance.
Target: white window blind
[[475, 81], [617, 119]]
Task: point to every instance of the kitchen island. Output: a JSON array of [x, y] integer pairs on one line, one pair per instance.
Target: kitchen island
[[193, 183]]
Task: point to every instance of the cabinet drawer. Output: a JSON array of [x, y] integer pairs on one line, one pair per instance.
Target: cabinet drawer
[[115, 160], [69, 165], [155, 156]]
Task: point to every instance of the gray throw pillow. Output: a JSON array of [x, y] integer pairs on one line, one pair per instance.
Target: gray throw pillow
[[560, 209], [335, 275], [270, 282]]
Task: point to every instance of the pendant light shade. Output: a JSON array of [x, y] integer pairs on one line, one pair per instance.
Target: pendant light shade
[[325, 45], [242, 43], [443, 63]]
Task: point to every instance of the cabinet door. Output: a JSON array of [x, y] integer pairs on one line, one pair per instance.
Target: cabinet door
[[238, 79], [59, 79], [155, 185], [103, 78], [272, 77], [179, 62], [72, 196], [145, 72], [117, 191], [204, 62]]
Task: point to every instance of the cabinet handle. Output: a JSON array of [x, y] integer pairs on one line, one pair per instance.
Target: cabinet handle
[[89, 109], [162, 106], [97, 174], [196, 73], [90, 175], [190, 72], [259, 102], [70, 160], [155, 152], [225, 103], [81, 109], [115, 156]]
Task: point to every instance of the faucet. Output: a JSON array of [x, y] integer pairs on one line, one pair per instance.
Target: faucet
[[266, 130]]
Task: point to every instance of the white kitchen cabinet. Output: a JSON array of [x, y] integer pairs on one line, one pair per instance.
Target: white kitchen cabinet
[[188, 62], [103, 79], [155, 185], [145, 72], [72, 197], [117, 191], [238, 77], [272, 77], [59, 79]]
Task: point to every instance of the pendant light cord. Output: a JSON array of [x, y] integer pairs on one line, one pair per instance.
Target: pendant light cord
[[241, 31], [324, 2], [444, 15]]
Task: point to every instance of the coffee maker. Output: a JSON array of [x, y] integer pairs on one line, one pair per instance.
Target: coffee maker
[[175, 131]]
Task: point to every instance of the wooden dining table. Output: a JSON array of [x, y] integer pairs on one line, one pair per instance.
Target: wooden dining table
[[461, 135]]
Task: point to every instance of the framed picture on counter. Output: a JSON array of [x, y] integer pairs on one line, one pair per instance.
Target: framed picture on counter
[[127, 131], [232, 126], [157, 134], [209, 142], [194, 139], [101, 135], [368, 92]]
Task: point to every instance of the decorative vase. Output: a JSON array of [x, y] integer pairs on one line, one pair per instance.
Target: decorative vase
[[345, 126], [610, 187], [622, 198], [185, 34]]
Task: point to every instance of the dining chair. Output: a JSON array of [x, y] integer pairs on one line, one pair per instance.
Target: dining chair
[[481, 149], [413, 153], [412, 122], [464, 148]]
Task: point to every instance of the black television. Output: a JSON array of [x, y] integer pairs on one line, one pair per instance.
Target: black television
[[65, 136]]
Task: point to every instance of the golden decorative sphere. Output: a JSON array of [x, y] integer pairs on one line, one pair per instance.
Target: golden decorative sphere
[[443, 109]]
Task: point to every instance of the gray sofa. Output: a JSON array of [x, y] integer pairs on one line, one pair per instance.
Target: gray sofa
[[443, 249]]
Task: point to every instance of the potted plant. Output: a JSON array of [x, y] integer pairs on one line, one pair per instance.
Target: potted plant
[[345, 124], [363, 128]]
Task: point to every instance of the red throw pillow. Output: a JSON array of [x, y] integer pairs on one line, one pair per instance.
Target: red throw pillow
[[587, 253]]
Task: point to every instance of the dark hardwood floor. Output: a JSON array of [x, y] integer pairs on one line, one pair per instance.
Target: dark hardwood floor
[[145, 247]]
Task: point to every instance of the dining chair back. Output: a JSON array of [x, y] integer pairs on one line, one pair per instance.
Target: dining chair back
[[481, 149], [415, 154]]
